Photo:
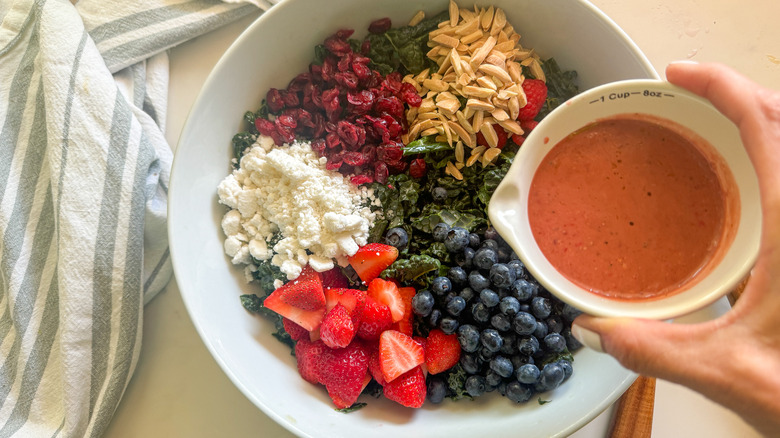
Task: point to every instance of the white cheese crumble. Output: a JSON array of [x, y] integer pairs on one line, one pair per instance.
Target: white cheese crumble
[[320, 215]]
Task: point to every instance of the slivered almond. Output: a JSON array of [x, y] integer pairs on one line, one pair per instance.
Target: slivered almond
[[487, 83], [473, 159], [496, 58], [506, 94], [470, 38], [454, 13], [459, 130], [515, 72], [466, 14], [499, 114], [464, 123], [478, 150], [479, 92], [487, 18], [496, 71], [503, 46], [429, 131], [446, 40], [468, 27], [499, 21], [459, 152], [425, 116], [417, 18], [453, 171], [514, 107], [501, 37], [477, 104], [490, 155], [449, 105], [464, 79], [489, 133], [536, 70], [483, 51], [512, 126], [435, 85], [476, 122], [411, 114]]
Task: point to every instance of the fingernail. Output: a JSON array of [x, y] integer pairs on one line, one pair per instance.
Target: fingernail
[[685, 61], [587, 337]]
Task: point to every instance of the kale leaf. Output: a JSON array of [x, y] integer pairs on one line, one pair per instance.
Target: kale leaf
[[561, 86], [403, 49]]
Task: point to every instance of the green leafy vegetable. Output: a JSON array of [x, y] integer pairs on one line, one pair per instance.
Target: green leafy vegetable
[[424, 145], [543, 402], [409, 269], [561, 86], [403, 49], [355, 407], [456, 380]]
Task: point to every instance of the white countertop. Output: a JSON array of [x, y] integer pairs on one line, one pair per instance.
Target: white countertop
[[178, 390]]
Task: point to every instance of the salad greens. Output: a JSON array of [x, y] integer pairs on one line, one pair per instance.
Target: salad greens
[[403, 48]]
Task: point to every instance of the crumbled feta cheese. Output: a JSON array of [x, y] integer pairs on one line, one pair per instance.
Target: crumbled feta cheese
[[287, 189]]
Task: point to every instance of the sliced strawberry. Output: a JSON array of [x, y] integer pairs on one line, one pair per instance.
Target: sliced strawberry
[[352, 299], [295, 331], [406, 324], [374, 319], [308, 319], [337, 329], [343, 371], [387, 292], [442, 351], [370, 260], [408, 389], [374, 368], [305, 292], [398, 353], [334, 278], [309, 356]]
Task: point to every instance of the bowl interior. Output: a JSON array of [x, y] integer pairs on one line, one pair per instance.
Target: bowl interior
[[272, 51], [656, 98]]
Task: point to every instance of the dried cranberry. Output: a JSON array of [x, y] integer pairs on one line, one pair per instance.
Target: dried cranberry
[[392, 83], [345, 62], [344, 33], [347, 79], [355, 158], [337, 45], [332, 140], [318, 145], [274, 100], [396, 166], [286, 132], [417, 168], [265, 127], [362, 72], [390, 152], [334, 162], [319, 125], [330, 102], [390, 105], [361, 179], [360, 102], [290, 99], [380, 172], [296, 85], [350, 134], [365, 48], [286, 121], [379, 26], [409, 95]]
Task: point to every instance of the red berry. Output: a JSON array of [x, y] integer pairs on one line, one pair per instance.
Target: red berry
[[406, 324], [409, 389], [295, 331], [379, 26], [334, 278], [442, 351], [417, 168], [309, 355], [305, 292], [308, 319], [337, 329], [343, 371], [386, 292], [352, 299], [374, 319], [518, 139], [398, 353], [370, 260], [535, 95]]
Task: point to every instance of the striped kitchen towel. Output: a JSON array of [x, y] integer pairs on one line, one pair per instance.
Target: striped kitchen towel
[[83, 188]]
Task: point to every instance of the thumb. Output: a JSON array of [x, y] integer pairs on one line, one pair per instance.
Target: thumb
[[648, 347]]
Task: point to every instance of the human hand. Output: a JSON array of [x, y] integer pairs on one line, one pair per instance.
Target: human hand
[[735, 359]]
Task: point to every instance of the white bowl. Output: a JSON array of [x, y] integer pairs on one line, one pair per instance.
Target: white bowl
[[508, 210], [270, 53]]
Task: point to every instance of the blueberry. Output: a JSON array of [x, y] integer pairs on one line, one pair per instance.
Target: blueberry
[[571, 342], [524, 290], [509, 306], [480, 312], [474, 240], [456, 305], [528, 374], [502, 366], [440, 231], [478, 282], [501, 275], [555, 343], [570, 312], [541, 329], [484, 258], [491, 233], [502, 388], [437, 390], [500, 322], [510, 344], [397, 237], [457, 239], [489, 243], [519, 360], [422, 303], [441, 286], [448, 325], [518, 393], [457, 275], [519, 269], [568, 369], [471, 363], [551, 377], [439, 194], [492, 378], [485, 354], [468, 336], [554, 323], [475, 385], [528, 345], [434, 318], [491, 340], [465, 258], [541, 307], [467, 293], [503, 252], [489, 297], [523, 323]]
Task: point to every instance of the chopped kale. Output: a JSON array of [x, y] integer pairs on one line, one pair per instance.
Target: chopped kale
[[403, 48], [353, 408], [561, 86], [456, 380]]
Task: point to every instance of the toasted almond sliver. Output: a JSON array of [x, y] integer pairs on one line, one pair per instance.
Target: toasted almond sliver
[[464, 79], [499, 21], [466, 14], [536, 70], [483, 51], [489, 133], [411, 114], [429, 131], [459, 152], [496, 71], [467, 27], [506, 94], [414, 131], [454, 13], [433, 53], [446, 40], [504, 46], [464, 123], [418, 17], [425, 116], [479, 105], [514, 107], [478, 92], [435, 85], [473, 36], [496, 58], [453, 171], [473, 158], [477, 120], [459, 130], [512, 126], [455, 61], [490, 155], [499, 114], [478, 150], [443, 65], [449, 105], [487, 18]]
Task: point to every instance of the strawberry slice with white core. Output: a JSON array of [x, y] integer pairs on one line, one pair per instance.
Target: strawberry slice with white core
[[370, 260], [305, 292], [387, 292], [398, 353], [308, 319]]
